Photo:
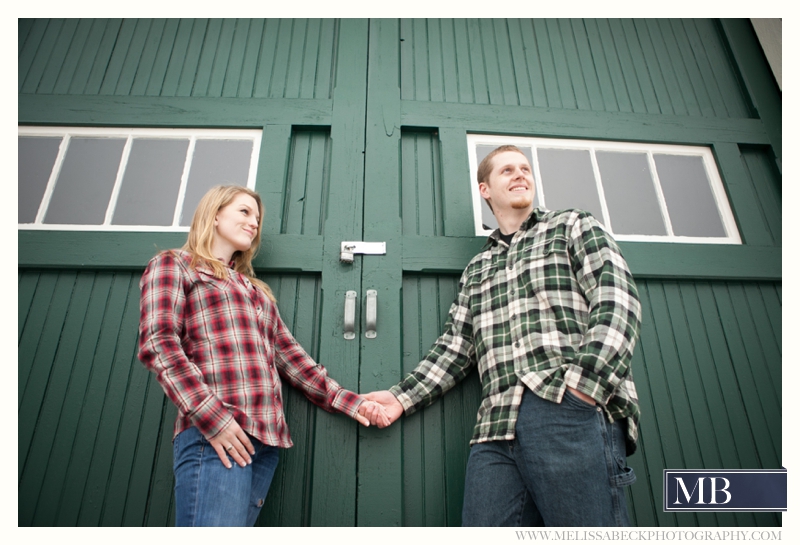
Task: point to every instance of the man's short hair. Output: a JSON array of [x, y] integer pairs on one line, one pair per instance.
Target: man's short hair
[[485, 168]]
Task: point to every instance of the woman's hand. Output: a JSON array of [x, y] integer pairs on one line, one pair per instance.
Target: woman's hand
[[233, 441], [370, 411]]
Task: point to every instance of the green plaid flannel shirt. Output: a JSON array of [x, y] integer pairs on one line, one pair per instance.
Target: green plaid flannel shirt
[[557, 308]]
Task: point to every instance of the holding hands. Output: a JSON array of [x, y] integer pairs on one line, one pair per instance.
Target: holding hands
[[384, 408]]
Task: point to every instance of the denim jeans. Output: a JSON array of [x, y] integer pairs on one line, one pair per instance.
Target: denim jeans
[[566, 467], [209, 494]]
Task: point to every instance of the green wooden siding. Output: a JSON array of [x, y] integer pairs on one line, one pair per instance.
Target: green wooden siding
[[290, 58], [364, 138], [664, 66]]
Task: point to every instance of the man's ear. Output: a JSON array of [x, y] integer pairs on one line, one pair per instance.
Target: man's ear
[[484, 189]]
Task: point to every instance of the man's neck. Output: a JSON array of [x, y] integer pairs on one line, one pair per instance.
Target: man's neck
[[510, 220]]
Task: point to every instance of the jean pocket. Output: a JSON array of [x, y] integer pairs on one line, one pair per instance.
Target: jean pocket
[[574, 401]]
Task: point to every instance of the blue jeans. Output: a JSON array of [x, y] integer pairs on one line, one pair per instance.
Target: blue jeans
[[209, 494], [566, 467]]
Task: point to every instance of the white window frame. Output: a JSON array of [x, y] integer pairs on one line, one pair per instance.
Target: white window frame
[[193, 135], [534, 143]]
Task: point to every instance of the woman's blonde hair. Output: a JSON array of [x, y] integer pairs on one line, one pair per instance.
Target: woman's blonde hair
[[202, 232]]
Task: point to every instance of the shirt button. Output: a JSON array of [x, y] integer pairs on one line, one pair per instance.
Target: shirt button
[[513, 316], [516, 344]]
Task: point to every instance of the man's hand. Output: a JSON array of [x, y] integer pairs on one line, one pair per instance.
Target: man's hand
[[392, 408], [371, 412], [233, 442]]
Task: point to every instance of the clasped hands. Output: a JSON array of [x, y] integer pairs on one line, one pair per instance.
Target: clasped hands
[[381, 409]]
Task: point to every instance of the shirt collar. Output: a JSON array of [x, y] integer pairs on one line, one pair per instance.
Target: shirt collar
[[529, 222]]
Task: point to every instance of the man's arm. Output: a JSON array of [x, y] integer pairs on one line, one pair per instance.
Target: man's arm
[[449, 360], [603, 357]]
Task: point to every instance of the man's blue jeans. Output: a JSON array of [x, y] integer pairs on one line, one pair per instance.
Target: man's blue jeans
[[209, 494], [566, 467]]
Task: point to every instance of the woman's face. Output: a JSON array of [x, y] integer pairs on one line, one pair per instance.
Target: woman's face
[[236, 225]]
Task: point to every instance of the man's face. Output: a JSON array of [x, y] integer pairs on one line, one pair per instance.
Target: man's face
[[510, 183]]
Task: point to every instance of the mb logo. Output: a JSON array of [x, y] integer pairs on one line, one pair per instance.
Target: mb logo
[[706, 492], [725, 490]]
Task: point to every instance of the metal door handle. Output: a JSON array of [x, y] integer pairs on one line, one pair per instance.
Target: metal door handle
[[372, 314], [350, 315]]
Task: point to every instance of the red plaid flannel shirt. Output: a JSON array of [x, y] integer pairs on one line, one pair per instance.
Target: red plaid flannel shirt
[[218, 348]]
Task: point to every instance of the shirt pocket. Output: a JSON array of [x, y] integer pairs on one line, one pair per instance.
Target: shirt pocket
[[545, 268]]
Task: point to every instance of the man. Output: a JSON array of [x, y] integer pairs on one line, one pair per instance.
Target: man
[[550, 314]]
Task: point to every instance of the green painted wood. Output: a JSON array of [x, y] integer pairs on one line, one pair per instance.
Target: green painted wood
[[101, 58], [78, 486], [38, 54], [51, 495], [334, 475], [752, 224], [180, 50], [161, 505], [683, 79], [301, 84], [380, 454], [273, 164], [26, 289], [548, 74], [601, 67], [518, 57], [758, 79], [184, 63], [24, 27], [250, 61], [74, 81], [222, 59], [133, 56], [43, 402], [517, 120], [653, 68], [161, 62], [638, 66], [59, 56], [267, 58], [202, 77], [308, 184], [146, 69], [765, 179], [238, 50], [30, 339], [72, 53], [149, 427], [457, 205], [111, 72], [572, 61], [112, 449], [624, 51], [170, 111], [687, 55], [130, 250], [563, 80], [731, 87], [451, 254]]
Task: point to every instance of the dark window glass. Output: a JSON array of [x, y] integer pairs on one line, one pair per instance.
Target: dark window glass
[[215, 162], [568, 180], [151, 182], [690, 201], [35, 159], [630, 194], [84, 185]]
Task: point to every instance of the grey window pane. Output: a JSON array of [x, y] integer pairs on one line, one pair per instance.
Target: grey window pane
[[35, 159], [630, 194], [487, 217], [568, 180], [690, 201], [215, 162], [151, 182], [84, 184]]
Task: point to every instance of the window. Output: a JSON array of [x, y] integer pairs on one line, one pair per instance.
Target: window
[[639, 192], [126, 179]]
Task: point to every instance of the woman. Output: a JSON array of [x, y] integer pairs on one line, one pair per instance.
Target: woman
[[212, 334]]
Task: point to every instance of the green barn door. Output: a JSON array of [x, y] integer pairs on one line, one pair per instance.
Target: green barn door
[[417, 201]]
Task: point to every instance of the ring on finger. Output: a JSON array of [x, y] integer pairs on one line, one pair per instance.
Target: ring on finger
[[229, 448]]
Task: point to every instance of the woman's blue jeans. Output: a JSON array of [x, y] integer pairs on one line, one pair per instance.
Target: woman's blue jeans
[[566, 467], [209, 494]]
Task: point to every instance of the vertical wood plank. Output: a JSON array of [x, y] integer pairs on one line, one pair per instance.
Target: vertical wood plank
[[435, 61], [310, 61], [266, 58], [520, 68], [628, 74], [588, 70], [102, 60], [201, 78], [133, 57], [223, 59], [566, 93], [456, 194], [573, 64], [273, 165], [28, 47], [66, 71], [145, 66], [295, 58], [40, 55], [162, 57], [250, 62], [187, 66]]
